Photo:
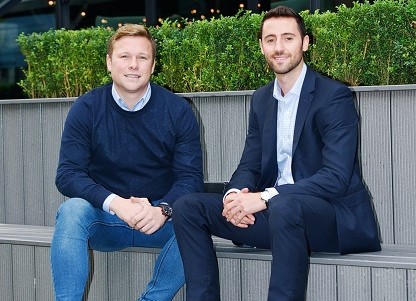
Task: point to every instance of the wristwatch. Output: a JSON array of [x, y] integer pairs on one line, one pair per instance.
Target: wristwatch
[[265, 197], [166, 209]]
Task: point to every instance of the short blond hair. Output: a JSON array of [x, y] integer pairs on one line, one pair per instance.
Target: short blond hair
[[131, 30]]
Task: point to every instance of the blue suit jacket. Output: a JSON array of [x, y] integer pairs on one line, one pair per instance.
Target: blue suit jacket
[[324, 160]]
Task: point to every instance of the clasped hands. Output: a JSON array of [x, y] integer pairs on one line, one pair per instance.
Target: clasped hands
[[138, 213], [239, 207]]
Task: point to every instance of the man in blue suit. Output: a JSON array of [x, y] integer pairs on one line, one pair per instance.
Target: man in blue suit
[[297, 188]]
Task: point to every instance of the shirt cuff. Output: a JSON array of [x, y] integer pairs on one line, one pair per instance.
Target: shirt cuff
[[272, 191], [108, 200], [230, 191]]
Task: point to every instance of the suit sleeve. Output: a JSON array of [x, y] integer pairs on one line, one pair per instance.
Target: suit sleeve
[[248, 171]]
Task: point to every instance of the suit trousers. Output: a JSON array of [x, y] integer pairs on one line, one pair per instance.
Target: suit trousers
[[293, 226]]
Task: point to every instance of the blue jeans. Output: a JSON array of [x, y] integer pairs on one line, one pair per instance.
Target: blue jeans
[[80, 226]]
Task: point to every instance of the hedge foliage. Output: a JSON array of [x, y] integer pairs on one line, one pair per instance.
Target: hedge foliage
[[64, 63], [219, 54], [367, 44]]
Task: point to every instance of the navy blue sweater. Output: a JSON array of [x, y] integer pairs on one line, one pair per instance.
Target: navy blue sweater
[[153, 153]]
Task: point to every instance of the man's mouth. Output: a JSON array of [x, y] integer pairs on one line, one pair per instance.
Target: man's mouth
[[279, 58], [132, 75]]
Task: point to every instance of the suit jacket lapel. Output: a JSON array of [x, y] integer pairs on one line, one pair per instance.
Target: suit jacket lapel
[[305, 101], [269, 137]]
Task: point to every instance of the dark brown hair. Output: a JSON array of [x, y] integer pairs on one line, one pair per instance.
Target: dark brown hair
[[284, 12]]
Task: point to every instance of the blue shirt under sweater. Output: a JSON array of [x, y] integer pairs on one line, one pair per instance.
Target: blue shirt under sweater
[[153, 153]]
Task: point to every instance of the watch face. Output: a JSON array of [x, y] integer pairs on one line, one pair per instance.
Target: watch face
[[166, 210]]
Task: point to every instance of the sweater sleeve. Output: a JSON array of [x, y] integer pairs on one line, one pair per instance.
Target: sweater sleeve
[[72, 178], [187, 158]]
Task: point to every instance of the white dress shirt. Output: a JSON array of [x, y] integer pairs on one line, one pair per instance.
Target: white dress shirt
[[287, 108]]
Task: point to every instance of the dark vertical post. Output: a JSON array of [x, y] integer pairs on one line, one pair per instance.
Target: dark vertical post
[[62, 14], [314, 5], [151, 12]]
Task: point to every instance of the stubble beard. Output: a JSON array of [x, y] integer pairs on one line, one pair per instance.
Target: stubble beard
[[284, 68]]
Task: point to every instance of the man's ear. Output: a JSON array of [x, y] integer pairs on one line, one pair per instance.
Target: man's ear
[[305, 44], [261, 47], [108, 61], [153, 67]]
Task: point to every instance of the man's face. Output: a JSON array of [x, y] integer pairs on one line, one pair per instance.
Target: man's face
[[131, 65], [282, 45]]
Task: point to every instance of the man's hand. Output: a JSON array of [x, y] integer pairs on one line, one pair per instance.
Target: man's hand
[[138, 214], [150, 219], [240, 207]]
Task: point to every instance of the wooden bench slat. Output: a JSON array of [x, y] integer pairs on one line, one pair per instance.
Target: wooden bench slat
[[391, 256]]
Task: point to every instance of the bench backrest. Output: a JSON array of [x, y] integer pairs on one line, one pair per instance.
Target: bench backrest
[[30, 132]]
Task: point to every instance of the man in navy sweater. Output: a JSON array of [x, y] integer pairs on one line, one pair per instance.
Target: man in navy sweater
[[129, 149]]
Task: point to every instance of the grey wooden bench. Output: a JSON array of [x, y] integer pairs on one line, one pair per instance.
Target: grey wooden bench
[[389, 274], [391, 256], [29, 141]]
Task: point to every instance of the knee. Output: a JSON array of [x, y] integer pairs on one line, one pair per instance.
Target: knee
[[196, 206], [73, 210], [183, 204], [72, 223], [284, 210]]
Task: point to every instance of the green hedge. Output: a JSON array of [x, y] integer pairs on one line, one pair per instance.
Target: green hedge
[[367, 44], [219, 54], [64, 63]]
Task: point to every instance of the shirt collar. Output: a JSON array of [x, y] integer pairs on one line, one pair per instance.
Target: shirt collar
[[140, 103], [296, 89]]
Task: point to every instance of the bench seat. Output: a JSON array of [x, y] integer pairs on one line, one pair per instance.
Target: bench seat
[[357, 276], [391, 256]]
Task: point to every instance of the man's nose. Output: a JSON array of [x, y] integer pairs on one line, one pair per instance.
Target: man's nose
[[134, 63], [278, 46]]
